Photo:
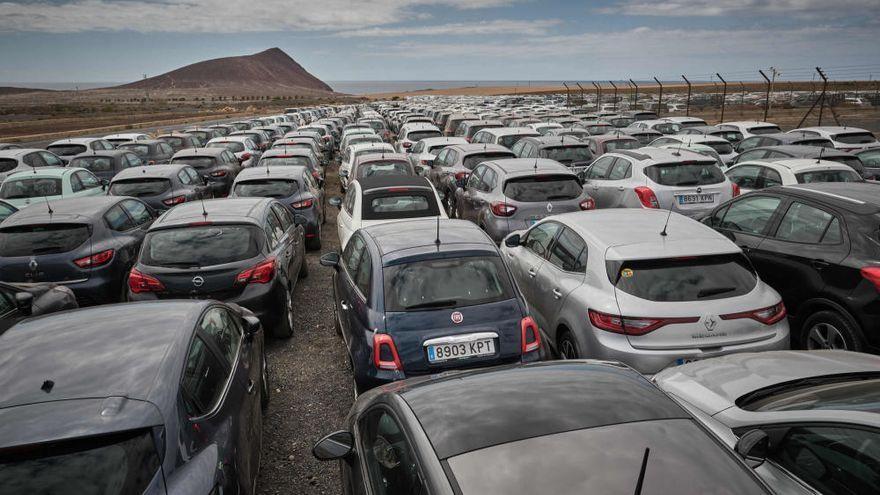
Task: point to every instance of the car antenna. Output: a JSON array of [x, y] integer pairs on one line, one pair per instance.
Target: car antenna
[[204, 211], [678, 151], [642, 471], [49, 207], [665, 225], [437, 239], [821, 152]]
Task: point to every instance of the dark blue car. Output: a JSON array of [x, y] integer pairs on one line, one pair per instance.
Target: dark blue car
[[420, 297]]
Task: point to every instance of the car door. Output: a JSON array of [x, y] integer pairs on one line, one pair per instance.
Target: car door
[[467, 206], [527, 259], [294, 246], [131, 239], [482, 195], [354, 298], [563, 272], [594, 182], [390, 463], [617, 187], [283, 250], [348, 219]]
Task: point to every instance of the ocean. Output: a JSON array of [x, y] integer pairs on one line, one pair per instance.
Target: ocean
[[368, 87]]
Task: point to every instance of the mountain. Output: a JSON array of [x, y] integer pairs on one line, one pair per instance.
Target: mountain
[[268, 72]]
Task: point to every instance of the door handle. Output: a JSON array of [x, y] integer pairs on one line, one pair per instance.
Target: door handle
[[344, 305], [532, 272], [250, 387], [557, 294], [820, 264]]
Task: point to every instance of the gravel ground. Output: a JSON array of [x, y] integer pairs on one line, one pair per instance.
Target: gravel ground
[[310, 381]]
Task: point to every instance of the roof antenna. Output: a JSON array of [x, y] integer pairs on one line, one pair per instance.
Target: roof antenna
[[677, 152], [665, 225], [821, 153], [437, 239], [204, 211], [48, 206]]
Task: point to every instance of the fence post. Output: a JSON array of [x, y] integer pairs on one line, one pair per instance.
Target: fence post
[[742, 98], [615, 95], [567, 95], [822, 96], [687, 107], [766, 98], [660, 100], [635, 95], [723, 95], [598, 95]]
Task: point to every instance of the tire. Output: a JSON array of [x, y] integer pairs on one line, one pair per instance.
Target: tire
[[567, 346], [829, 329], [284, 328], [304, 269], [265, 391]]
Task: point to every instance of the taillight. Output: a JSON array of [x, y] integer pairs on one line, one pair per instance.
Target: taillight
[[502, 209], [176, 200], [736, 191], [246, 156], [299, 205], [633, 325], [316, 174], [647, 197], [139, 282], [426, 163], [588, 204], [95, 260], [385, 355], [872, 274], [218, 173], [407, 144], [262, 273], [151, 162], [460, 177], [531, 336], [767, 316]]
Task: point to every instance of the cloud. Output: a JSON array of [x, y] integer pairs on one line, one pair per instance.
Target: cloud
[[216, 16], [710, 8], [500, 26]]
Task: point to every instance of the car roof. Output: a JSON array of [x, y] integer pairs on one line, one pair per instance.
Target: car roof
[[830, 129], [115, 153], [797, 165], [150, 171], [237, 138], [471, 148], [663, 155], [278, 172], [366, 146], [419, 126], [46, 172], [142, 142], [471, 410], [191, 152], [398, 241], [804, 151], [555, 141], [612, 137], [699, 138], [387, 181], [283, 152], [433, 141], [373, 157], [18, 152], [228, 210], [510, 131], [517, 166], [81, 140], [74, 210], [857, 197]]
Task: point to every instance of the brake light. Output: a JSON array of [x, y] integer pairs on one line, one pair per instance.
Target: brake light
[[767, 316], [326, 138], [426, 162], [462, 176], [736, 191], [501, 209], [531, 336], [407, 144], [151, 162], [299, 205], [245, 156], [262, 273], [385, 355], [872, 274], [633, 325], [316, 174], [588, 204], [176, 200], [95, 260], [139, 282], [647, 197], [218, 173]]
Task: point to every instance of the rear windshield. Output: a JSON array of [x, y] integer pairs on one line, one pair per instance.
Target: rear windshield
[[698, 278], [472, 161], [29, 240], [842, 392], [855, 138], [599, 129], [818, 142], [509, 141], [388, 205], [173, 141], [540, 188], [94, 163], [7, 164], [140, 187], [267, 188], [721, 148], [850, 161], [377, 125], [669, 128], [206, 245], [121, 463], [622, 144], [445, 283], [419, 135], [765, 130], [685, 174], [299, 160], [30, 188], [376, 169], [198, 162], [732, 136], [828, 176], [233, 146], [567, 153], [67, 149], [140, 149]]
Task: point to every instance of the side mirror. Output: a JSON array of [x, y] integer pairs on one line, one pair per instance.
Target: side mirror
[[513, 240], [300, 220], [752, 447], [330, 259], [252, 325], [343, 173], [335, 201], [334, 446], [24, 301]]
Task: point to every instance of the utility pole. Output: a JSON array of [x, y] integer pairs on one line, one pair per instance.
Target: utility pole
[[615, 95], [687, 107], [635, 95], [766, 98], [723, 95], [598, 95], [660, 100], [773, 73]]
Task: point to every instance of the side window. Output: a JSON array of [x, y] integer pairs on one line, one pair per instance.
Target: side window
[[194, 176], [348, 204], [34, 160], [89, 181], [538, 239], [771, 177], [351, 257], [284, 216], [203, 379], [450, 158], [622, 169], [96, 145], [440, 160], [118, 220], [517, 148], [275, 225], [223, 330], [364, 274], [475, 179], [76, 184], [166, 149], [749, 143], [134, 160], [389, 458], [489, 180], [714, 220], [752, 155], [184, 177], [750, 215], [51, 160], [137, 211], [745, 176], [569, 252], [7, 304], [600, 169], [806, 224]]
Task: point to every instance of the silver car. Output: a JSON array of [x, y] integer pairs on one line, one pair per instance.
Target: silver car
[[682, 181], [506, 195], [624, 285], [811, 415], [21, 159]]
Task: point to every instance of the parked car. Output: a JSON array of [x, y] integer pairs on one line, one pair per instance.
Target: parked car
[[69, 147], [20, 301], [304, 157], [151, 151], [599, 145], [574, 132], [782, 139], [106, 164], [776, 153], [454, 164], [732, 135], [686, 121], [379, 164], [808, 242], [424, 296], [161, 186], [259, 138], [645, 136], [756, 174], [117, 139], [842, 138], [204, 134], [10, 146], [660, 125], [809, 414], [423, 152], [504, 136], [350, 154], [41, 186], [572, 153], [453, 120], [135, 398], [26, 159], [597, 127], [720, 145], [245, 150], [410, 134], [86, 244], [247, 251], [218, 167], [563, 427], [870, 158], [6, 209], [751, 128]]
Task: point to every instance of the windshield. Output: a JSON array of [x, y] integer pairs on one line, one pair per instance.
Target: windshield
[[542, 188], [855, 138], [690, 278], [386, 205], [121, 463], [67, 149], [30, 240], [201, 246], [765, 130], [233, 146], [446, 282], [472, 161], [140, 187], [732, 136], [284, 161], [198, 162], [828, 176], [375, 169], [567, 153], [685, 174], [94, 163], [267, 188], [622, 144], [837, 392], [30, 188]]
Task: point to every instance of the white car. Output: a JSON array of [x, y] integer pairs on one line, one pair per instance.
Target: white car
[[117, 139], [719, 144], [410, 134], [423, 153], [686, 122], [384, 199], [350, 154], [751, 128], [752, 175], [504, 136], [850, 139], [544, 127], [243, 147]]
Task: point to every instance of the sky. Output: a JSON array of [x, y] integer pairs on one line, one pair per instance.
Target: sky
[[384, 40]]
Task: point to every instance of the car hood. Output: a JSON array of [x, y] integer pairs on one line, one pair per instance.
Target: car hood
[[713, 385]]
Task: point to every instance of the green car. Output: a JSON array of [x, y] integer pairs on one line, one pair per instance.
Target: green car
[[25, 188]]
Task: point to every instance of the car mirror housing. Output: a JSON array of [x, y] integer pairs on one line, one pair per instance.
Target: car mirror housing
[[24, 301], [252, 325], [335, 201], [343, 173], [300, 220], [513, 240], [753, 447], [330, 259], [334, 446]]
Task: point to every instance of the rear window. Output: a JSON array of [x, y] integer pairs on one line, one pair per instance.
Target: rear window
[[721, 148], [419, 135], [685, 174], [197, 162], [622, 144], [599, 129], [67, 149], [828, 176], [732, 136], [444, 283], [121, 463], [472, 161], [853, 162], [842, 392], [140, 149], [509, 141], [698, 278], [567, 153], [540, 188], [268, 188], [285, 161], [7, 164], [670, 128], [206, 245], [140, 187], [94, 163], [29, 240], [387, 205], [855, 138], [376, 125], [376, 169], [233, 146], [30, 188], [173, 141], [765, 130], [821, 143]]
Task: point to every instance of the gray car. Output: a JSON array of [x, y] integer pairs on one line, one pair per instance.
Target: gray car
[[67, 148], [106, 164], [151, 151], [812, 415], [161, 186], [452, 166], [513, 194], [571, 152], [217, 166]]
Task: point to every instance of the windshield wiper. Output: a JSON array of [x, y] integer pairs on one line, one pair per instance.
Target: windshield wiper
[[714, 291], [443, 303]]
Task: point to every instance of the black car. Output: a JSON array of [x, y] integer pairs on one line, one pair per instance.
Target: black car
[[217, 166], [106, 164], [203, 134], [19, 301], [222, 129], [139, 398], [161, 186], [249, 251], [787, 152], [818, 245], [87, 244], [561, 428], [418, 297], [151, 151]]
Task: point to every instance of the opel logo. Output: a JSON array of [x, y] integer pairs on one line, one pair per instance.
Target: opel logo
[[710, 323], [33, 265], [198, 281], [457, 317], [549, 207]]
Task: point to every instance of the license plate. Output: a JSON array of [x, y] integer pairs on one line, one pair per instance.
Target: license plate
[[681, 361], [692, 199], [460, 350]]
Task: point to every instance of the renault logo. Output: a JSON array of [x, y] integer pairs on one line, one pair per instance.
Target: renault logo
[[549, 207], [33, 265], [198, 281], [710, 323]]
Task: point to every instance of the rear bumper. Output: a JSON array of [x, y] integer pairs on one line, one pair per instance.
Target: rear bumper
[[96, 290]]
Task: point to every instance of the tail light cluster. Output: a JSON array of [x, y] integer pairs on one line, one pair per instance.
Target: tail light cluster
[[301, 205], [262, 273], [767, 316], [95, 260], [633, 325], [176, 200], [735, 187], [872, 274], [407, 144], [245, 157], [501, 209], [647, 197], [385, 355], [461, 177], [140, 282], [531, 336], [218, 173], [588, 204]]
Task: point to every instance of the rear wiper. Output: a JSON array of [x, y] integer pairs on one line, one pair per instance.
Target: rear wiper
[[47, 249], [714, 291], [181, 264], [688, 183], [559, 196], [443, 303]]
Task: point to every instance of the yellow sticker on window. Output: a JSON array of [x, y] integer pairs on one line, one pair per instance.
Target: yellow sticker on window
[[626, 273]]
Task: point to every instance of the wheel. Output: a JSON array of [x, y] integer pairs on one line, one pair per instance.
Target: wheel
[[304, 269], [284, 328], [265, 391], [567, 346], [830, 330]]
